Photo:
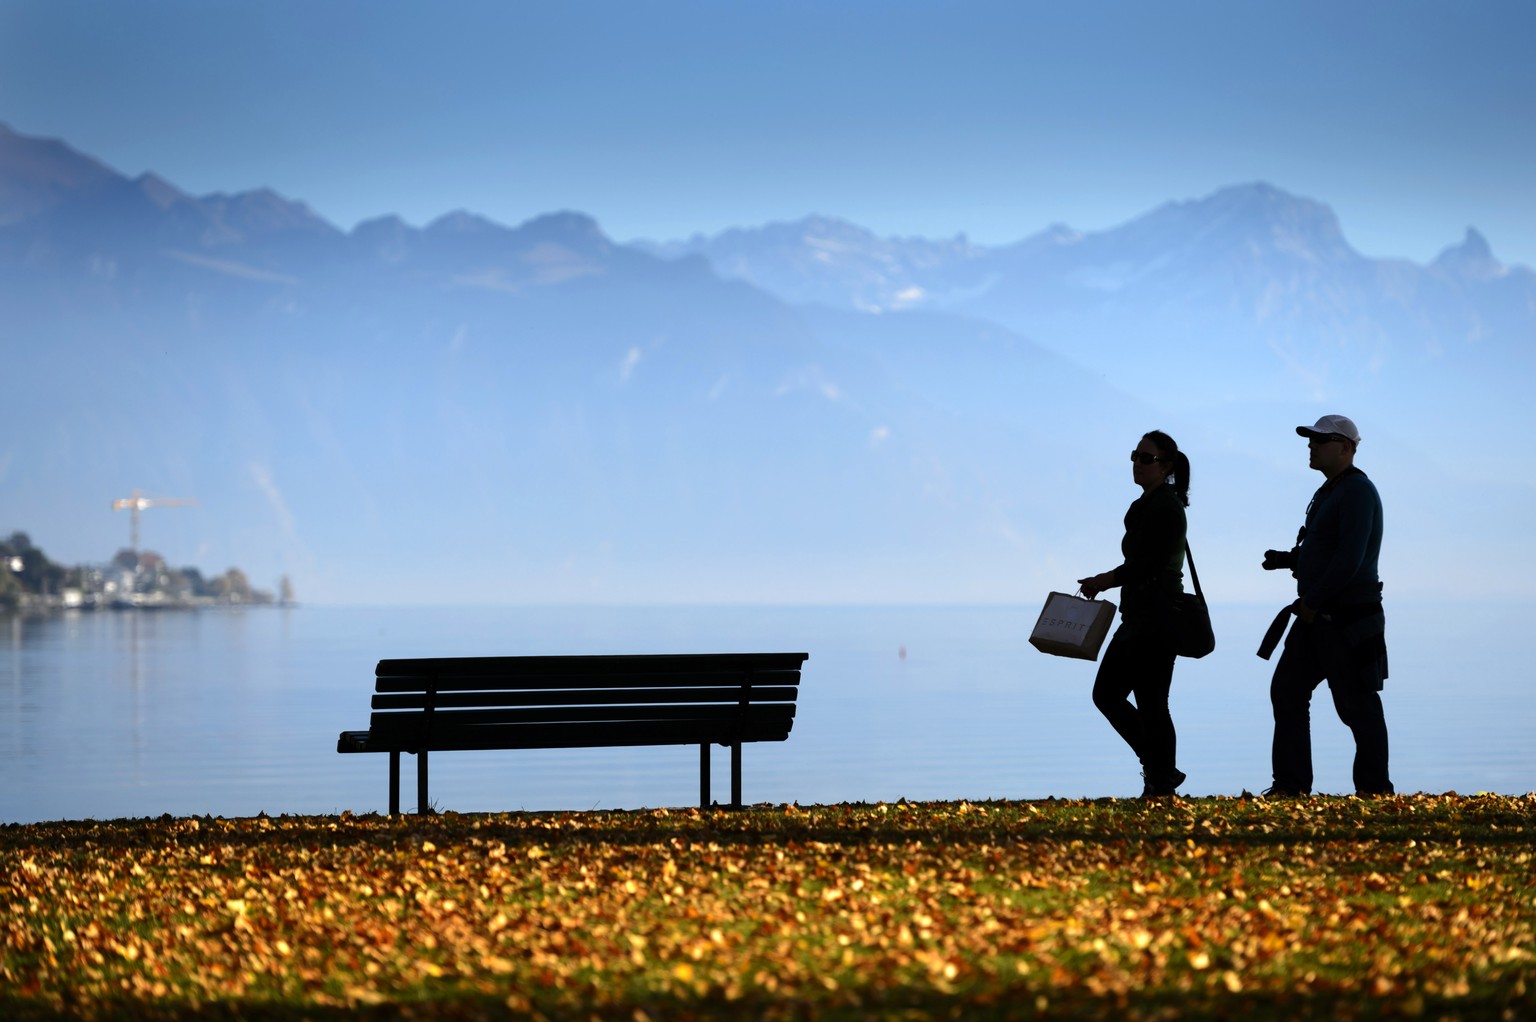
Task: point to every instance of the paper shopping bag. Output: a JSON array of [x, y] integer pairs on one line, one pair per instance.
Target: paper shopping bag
[[1072, 626]]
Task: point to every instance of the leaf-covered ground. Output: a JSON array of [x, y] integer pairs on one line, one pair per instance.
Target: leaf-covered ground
[[1419, 906]]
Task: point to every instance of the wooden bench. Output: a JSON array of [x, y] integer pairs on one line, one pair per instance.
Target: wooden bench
[[572, 702]]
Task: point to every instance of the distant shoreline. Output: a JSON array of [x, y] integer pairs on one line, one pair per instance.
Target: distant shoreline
[[40, 606]]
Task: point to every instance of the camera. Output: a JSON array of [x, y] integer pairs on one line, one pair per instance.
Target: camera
[[1274, 559]]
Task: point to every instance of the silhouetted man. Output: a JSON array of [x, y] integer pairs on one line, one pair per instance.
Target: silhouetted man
[[1340, 629]]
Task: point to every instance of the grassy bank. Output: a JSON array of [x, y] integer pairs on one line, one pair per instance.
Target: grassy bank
[[1418, 906]]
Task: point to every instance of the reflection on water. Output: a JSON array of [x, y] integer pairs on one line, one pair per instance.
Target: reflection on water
[[234, 712]]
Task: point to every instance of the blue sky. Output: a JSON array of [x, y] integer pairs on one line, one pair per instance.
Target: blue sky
[[1412, 120]]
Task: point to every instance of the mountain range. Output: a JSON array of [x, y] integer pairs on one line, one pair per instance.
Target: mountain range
[[1245, 275], [469, 411]]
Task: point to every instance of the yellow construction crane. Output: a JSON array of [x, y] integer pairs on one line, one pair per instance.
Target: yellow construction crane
[[138, 502]]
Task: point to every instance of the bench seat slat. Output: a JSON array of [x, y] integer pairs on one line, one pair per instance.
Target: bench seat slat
[[583, 735], [587, 697]]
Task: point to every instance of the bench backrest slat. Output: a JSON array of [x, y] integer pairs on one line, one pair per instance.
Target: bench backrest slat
[[585, 697], [663, 663], [542, 714], [596, 679]]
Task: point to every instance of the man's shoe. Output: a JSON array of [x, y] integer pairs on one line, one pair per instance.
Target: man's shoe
[[1276, 791], [1161, 789]]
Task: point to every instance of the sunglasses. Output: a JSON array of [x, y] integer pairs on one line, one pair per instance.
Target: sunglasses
[[1318, 441], [1142, 458]]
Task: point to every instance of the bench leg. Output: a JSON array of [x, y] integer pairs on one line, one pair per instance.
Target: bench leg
[[736, 776], [421, 782], [704, 775], [394, 784]]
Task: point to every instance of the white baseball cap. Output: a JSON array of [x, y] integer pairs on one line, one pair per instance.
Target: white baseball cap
[[1332, 425]]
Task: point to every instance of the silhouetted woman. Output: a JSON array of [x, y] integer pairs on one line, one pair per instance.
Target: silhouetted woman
[[1139, 658]]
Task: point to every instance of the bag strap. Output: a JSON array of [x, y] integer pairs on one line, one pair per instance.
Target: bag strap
[[1189, 555]]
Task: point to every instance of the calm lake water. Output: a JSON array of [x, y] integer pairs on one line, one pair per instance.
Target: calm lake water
[[236, 712]]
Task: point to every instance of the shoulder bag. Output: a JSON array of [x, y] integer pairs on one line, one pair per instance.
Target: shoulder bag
[[1190, 623]]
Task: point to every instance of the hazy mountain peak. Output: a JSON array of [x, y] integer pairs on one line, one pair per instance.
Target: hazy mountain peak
[[1254, 193], [565, 224], [48, 160], [158, 190], [481, 252], [1263, 203], [820, 224], [1057, 235], [385, 237], [1474, 241], [562, 237], [1246, 218], [463, 222], [264, 212], [37, 174], [817, 232], [1472, 258], [390, 224]]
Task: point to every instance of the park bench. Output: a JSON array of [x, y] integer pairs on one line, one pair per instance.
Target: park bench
[[446, 704]]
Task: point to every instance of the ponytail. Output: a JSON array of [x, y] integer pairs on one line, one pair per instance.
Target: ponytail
[[1179, 476]]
